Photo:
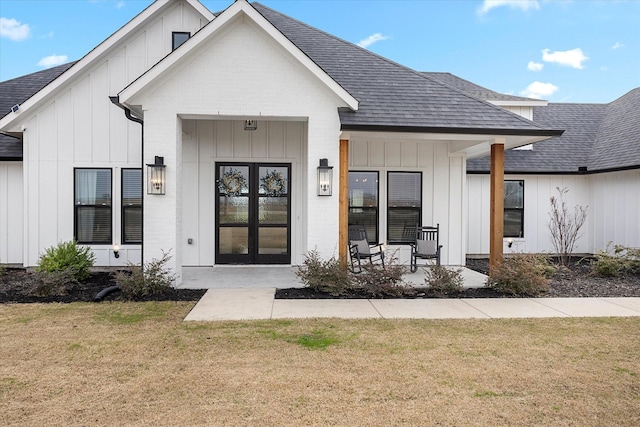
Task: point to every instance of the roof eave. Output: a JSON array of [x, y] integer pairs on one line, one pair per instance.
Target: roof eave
[[452, 130]]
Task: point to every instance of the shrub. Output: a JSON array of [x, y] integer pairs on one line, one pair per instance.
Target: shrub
[[67, 256], [52, 283], [521, 275], [622, 261], [324, 275], [153, 278], [565, 227], [375, 281], [442, 280]]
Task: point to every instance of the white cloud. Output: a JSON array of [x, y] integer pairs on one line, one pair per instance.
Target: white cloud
[[534, 66], [570, 58], [52, 60], [120, 5], [524, 5], [618, 45], [14, 30], [372, 39], [538, 90]]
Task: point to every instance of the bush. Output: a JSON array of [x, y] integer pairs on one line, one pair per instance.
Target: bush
[[442, 280], [52, 283], [522, 275], [324, 275], [622, 261], [375, 282], [153, 278], [69, 257]]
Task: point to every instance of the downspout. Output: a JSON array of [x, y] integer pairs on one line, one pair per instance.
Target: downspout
[[127, 112]]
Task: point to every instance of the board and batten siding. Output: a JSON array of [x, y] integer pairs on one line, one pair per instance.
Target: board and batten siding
[[205, 142], [443, 187], [614, 209], [11, 218], [78, 126]]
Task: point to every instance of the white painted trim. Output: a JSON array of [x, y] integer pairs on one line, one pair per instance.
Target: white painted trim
[[10, 122], [241, 9], [528, 103]]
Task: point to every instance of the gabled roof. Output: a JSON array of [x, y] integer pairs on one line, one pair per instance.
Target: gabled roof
[[100, 51], [393, 97], [15, 92], [598, 137], [482, 92]]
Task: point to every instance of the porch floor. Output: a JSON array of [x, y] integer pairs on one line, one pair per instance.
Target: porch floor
[[262, 277]]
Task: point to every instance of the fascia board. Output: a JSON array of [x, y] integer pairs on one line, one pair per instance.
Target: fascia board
[[13, 119], [230, 15], [531, 103]]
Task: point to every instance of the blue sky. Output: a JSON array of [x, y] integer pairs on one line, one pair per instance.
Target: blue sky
[[559, 50]]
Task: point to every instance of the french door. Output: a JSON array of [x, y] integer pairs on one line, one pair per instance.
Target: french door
[[253, 213]]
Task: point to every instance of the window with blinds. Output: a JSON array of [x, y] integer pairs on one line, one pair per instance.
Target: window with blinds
[[92, 199], [363, 202], [404, 206], [131, 206], [514, 208]]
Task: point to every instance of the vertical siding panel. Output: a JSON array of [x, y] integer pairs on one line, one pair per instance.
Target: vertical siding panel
[[82, 121], [47, 144], [157, 45], [258, 141], [223, 139], [64, 120], [136, 57], [425, 162], [359, 150], [4, 212], [276, 140], [241, 145], [376, 153], [100, 114], [393, 154], [119, 144], [409, 154], [294, 136]]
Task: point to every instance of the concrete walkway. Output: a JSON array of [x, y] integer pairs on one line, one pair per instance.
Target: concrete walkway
[[247, 293]]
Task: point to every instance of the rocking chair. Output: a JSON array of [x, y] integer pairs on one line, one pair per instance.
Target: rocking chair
[[427, 246], [359, 248]]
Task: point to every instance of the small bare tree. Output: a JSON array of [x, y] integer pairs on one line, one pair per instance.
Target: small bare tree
[[565, 227]]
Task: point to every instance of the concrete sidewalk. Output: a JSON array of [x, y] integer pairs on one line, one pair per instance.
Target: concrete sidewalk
[[259, 303]]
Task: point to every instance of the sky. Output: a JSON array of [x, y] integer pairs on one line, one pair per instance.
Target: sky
[[585, 51]]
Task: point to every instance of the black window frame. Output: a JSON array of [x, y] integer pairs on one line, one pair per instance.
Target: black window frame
[[519, 211], [104, 207], [408, 232], [123, 208], [174, 44], [375, 209]]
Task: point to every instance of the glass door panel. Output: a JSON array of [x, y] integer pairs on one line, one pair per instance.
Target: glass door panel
[[253, 213]]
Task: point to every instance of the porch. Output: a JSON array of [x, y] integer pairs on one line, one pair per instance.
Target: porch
[[276, 276]]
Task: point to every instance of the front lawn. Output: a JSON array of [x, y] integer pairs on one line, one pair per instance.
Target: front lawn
[[139, 364]]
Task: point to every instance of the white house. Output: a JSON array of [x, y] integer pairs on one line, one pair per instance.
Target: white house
[[237, 112]]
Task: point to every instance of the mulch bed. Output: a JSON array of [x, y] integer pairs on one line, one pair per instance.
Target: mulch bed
[[16, 286]]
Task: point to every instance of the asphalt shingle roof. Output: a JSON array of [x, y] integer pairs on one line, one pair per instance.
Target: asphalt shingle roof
[[393, 96], [17, 91], [472, 88], [599, 137]]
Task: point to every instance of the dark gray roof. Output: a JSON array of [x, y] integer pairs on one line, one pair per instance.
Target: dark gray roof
[[17, 91], [394, 97], [472, 88], [598, 137]]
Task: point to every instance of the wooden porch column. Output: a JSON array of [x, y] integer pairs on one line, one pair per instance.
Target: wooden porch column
[[496, 217], [343, 201]]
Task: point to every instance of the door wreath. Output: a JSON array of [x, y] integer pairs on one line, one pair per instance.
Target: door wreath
[[232, 183], [273, 184]]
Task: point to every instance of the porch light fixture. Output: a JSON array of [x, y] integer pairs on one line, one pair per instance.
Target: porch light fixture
[[156, 176], [250, 124], [325, 178], [116, 251]]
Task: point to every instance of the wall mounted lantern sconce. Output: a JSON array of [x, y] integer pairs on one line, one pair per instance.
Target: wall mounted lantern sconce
[[116, 251], [325, 178], [156, 176], [250, 124], [509, 242]]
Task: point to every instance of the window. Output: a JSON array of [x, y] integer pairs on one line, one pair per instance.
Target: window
[[177, 38], [92, 222], [363, 202], [514, 209], [131, 206], [404, 206]]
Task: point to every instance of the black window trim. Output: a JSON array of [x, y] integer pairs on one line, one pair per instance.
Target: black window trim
[[76, 206], [123, 208], [173, 38], [377, 208], [521, 210], [419, 208]]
